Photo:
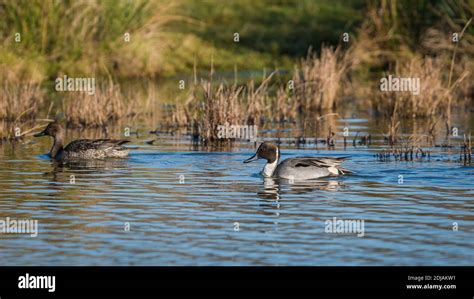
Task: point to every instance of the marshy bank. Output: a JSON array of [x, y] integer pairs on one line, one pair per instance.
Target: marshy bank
[[321, 87]]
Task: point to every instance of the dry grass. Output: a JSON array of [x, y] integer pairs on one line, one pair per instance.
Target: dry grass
[[286, 106], [433, 92], [433, 103], [19, 100], [394, 125], [80, 37], [457, 56], [382, 46], [466, 150], [318, 80], [11, 131], [106, 105], [218, 107], [19, 107], [210, 105], [377, 45], [257, 101], [111, 104]]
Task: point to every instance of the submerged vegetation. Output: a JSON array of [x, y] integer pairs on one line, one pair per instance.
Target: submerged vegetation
[[408, 149]]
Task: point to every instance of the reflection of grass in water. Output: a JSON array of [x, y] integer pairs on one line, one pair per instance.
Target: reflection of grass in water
[[466, 150], [406, 149]]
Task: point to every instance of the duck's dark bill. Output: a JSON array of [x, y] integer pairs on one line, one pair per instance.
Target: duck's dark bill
[[251, 159], [40, 134]]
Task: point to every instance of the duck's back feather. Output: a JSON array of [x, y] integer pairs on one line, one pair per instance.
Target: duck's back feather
[[316, 162], [310, 167], [95, 149]]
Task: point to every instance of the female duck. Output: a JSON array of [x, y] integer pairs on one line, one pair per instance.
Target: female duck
[[82, 148], [301, 168]]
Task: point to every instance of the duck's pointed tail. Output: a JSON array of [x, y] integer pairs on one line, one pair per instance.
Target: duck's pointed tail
[[344, 170]]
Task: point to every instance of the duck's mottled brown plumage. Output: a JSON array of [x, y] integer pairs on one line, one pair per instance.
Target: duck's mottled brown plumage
[[95, 149], [82, 148]]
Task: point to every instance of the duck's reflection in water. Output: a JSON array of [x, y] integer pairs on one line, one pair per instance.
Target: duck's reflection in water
[[270, 191], [61, 171], [95, 165], [307, 186], [273, 188]]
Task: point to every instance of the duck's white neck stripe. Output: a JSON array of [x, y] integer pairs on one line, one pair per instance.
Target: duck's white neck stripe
[[269, 168]]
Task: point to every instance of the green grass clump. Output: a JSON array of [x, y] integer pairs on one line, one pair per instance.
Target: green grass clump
[[84, 37]]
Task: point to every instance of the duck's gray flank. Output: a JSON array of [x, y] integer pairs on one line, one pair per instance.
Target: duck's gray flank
[[300, 168], [82, 148]]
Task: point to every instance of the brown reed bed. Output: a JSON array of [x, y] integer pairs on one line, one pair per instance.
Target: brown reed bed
[[19, 105], [218, 107], [433, 103], [286, 106], [84, 110], [211, 105], [109, 104], [17, 130], [315, 86], [383, 46], [318, 80], [20, 99], [432, 91]]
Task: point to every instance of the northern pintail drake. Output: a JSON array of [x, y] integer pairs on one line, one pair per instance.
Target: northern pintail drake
[[301, 168], [82, 148]]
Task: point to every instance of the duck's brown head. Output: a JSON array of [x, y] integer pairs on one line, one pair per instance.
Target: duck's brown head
[[267, 151], [53, 129]]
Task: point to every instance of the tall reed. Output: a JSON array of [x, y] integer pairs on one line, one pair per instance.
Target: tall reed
[[430, 99], [211, 105], [318, 80], [19, 100], [466, 150], [84, 110]]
